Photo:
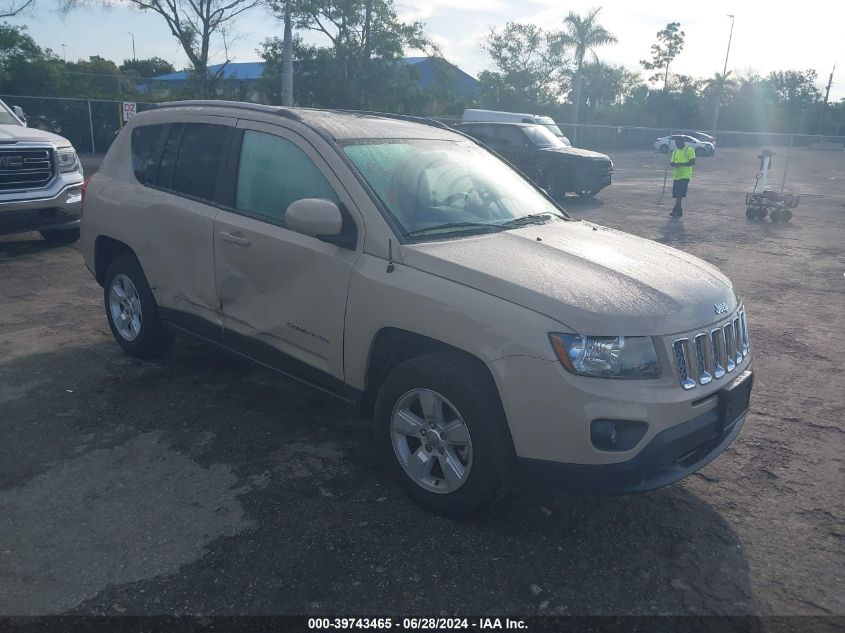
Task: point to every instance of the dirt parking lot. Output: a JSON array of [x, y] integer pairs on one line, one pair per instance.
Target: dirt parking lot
[[201, 484]]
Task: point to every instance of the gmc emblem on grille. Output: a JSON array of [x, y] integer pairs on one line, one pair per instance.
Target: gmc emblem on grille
[[11, 161], [720, 308]]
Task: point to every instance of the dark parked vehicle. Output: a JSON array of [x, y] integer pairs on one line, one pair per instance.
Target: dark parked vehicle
[[544, 158]]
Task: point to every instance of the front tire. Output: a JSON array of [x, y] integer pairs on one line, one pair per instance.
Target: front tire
[[60, 236], [443, 431], [131, 310]]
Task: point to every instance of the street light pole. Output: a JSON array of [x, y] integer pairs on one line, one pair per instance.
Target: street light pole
[[724, 72], [64, 53], [132, 35]]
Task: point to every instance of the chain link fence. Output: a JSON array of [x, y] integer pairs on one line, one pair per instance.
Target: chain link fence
[[92, 124]]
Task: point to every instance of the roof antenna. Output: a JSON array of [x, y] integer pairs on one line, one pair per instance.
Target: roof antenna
[[390, 266]]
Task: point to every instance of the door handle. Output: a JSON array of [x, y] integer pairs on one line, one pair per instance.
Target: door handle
[[240, 240]]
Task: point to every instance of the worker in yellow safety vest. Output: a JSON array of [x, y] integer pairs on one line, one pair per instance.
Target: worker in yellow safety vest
[[681, 162]]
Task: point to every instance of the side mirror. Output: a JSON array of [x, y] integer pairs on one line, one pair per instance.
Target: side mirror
[[19, 113], [318, 218]]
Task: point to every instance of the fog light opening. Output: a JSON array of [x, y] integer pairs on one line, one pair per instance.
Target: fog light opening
[[616, 435]]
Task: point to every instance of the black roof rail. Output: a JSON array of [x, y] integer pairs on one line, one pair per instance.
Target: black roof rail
[[235, 105]]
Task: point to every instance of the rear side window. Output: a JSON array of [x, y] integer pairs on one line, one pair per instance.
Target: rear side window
[[273, 173], [200, 152], [483, 133], [144, 143], [510, 136]]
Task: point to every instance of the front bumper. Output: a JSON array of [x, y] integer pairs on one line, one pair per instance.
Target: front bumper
[[672, 455], [57, 207]]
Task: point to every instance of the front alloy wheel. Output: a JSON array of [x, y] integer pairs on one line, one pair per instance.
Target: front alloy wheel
[[431, 441]]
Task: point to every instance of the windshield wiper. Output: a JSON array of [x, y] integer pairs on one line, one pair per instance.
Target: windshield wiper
[[451, 225], [534, 218]]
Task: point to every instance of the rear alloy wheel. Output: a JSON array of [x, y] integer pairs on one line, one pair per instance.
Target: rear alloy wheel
[[443, 431], [63, 236], [131, 310]]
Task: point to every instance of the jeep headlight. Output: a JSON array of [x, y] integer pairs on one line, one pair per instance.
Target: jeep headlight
[[632, 357], [66, 158]]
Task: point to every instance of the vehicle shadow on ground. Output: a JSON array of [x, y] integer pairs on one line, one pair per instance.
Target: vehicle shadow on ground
[[577, 203], [14, 246], [325, 531]]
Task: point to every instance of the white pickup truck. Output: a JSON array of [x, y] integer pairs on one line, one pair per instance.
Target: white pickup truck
[[40, 181]]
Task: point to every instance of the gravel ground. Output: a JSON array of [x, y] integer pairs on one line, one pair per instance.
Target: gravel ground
[[201, 484]]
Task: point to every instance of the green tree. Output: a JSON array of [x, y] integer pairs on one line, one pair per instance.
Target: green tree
[[196, 24], [529, 67], [143, 68], [584, 35], [670, 43], [360, 68]]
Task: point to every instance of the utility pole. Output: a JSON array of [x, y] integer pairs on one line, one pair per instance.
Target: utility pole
[[132, 35], [287, 58], [826, 97], [724, 72], [64, 52]]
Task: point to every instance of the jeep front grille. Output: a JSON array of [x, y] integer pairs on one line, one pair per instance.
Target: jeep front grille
[[25, 168], [710, 355]]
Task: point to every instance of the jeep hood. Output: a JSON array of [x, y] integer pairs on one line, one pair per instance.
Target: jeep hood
[[591, 279], [20, 134]]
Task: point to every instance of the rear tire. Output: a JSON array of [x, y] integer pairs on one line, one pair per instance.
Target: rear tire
[[443, 431], [60, 236], [663, 149], [131, 310], [775, 215]]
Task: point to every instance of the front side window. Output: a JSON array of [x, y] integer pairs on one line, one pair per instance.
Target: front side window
[[540, 136], [6, 117], [200, 152], [441, 188], [273, 173]]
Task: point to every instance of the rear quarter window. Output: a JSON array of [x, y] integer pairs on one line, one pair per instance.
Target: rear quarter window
[[144, 142]]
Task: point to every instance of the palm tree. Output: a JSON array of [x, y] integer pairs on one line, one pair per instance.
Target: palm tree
[[584, 35], [720, 84]]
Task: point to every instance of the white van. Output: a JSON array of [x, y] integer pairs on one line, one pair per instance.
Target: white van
[[494, 116]]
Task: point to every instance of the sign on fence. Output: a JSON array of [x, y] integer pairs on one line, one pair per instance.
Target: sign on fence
[[129, 110]]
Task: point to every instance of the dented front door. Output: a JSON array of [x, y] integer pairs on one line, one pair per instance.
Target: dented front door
[[283, 294]]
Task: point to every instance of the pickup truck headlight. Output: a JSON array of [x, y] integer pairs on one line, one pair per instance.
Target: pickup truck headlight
[[66, 158], [630, 357]]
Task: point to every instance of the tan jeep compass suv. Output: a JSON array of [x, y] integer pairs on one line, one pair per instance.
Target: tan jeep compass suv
[[400, 266]]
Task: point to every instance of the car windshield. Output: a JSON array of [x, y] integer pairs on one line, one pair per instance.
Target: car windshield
[[6, 117], [443, 188], [541, 136]]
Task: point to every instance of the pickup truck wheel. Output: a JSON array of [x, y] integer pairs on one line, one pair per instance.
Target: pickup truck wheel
[[56, 236], [444, 434], [131, 310]]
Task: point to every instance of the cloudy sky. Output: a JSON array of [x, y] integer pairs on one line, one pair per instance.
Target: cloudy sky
[[768, 35]]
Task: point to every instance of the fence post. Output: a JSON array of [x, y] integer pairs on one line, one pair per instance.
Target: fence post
[[786, 164], [91, 127]]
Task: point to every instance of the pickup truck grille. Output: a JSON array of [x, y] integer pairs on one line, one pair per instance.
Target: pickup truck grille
[[30, 168], [707, 355]]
